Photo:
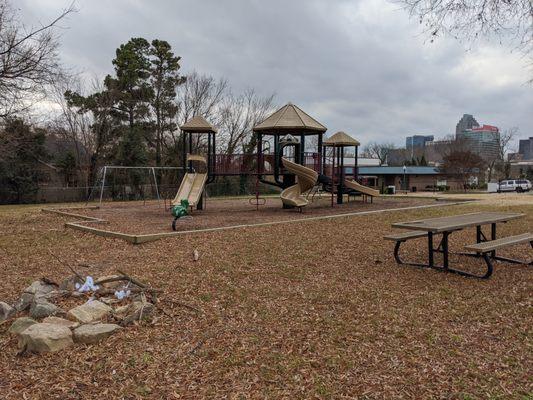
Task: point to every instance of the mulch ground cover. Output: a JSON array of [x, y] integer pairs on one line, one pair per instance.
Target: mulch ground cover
[[317, 309], [152, 217]]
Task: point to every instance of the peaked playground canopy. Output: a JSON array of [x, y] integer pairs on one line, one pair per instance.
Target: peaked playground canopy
[[198, 124], [341, 139], [290, 117]]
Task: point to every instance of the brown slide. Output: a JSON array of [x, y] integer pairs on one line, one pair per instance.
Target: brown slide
[[306, 179], [361, 189], [192, 185]]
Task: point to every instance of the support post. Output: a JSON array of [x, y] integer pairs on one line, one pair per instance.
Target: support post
[[493, 237], [320, 150], [103, 185], [356, 168], [430, 250], [190, 150], [156, 187], [340, 187], [445, 251], [332, 176]]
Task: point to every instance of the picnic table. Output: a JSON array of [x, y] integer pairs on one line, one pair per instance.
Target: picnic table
[[445, 226]]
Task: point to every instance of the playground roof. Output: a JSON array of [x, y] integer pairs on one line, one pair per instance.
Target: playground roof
[[288, 118], [341, 139], [198, 124]]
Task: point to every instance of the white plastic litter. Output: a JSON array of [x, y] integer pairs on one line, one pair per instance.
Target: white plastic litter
[[121, 294], [88, 286]]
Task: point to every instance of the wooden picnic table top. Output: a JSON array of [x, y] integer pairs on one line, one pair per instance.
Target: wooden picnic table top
[[454, 222]]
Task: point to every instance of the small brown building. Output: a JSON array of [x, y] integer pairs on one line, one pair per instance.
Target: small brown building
[[416, 178]]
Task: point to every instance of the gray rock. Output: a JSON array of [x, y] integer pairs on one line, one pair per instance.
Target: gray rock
[[69, 283], [40, 338], [40, 288], [20, 324], [61, 321], [6, 311], [24, 302], [109, 300], [41, 308], [89, 312], [136, 311], [94, 333]]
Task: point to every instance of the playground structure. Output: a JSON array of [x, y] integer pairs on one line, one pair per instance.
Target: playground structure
[[290, 154]]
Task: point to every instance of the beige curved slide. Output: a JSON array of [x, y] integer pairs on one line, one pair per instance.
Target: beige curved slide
[[360, 188], [192, 185], [306, 179]]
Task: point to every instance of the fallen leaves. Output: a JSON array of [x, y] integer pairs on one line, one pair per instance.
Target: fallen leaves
[[284, 311]]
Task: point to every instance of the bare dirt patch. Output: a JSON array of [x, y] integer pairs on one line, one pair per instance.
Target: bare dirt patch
[[151, 217]]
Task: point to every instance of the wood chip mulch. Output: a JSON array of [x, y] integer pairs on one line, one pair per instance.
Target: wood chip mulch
[[317, 309]]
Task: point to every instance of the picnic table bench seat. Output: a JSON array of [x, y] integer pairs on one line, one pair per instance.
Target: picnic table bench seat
[[403, 236], [485, 247]]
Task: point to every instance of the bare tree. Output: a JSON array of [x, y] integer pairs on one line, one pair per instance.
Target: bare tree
[[499, 165], [378, 150], [72, 124], [238, 116], [28, 59], [198, 95], [459, 162], [471, 19]]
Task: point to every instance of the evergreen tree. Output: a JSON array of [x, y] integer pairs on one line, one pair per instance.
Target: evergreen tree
[[164, 78], [21, 153]]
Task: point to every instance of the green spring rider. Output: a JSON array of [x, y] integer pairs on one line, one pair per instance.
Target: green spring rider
[[180, 210]]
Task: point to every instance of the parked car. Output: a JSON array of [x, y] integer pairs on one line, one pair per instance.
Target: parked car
[[515, 185]]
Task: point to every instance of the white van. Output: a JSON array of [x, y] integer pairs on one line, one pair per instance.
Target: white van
[[517, 185]]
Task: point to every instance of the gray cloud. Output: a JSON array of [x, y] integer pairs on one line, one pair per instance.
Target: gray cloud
[[361, 66]]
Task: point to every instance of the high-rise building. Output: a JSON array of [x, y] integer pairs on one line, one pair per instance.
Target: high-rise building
[[417, 141], [466, 122], [525, 148], [482, 140]]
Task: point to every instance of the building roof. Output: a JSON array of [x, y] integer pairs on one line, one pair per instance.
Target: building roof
[[198, 124], [484, 127], [290, 117], [341, 139], [399, 170]]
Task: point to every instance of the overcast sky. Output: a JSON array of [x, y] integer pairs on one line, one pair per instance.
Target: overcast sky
[[361, 66]]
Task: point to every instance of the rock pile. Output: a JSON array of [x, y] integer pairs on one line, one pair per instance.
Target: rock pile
[[112, 303]]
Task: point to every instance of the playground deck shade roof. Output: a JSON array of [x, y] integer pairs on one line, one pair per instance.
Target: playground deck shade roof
[[341, 139], [198, 124], [290, 117]]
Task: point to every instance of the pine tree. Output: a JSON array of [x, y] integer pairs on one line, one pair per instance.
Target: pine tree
[[164, 78]]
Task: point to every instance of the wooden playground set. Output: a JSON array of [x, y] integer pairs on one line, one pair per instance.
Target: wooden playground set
[[291, 154]]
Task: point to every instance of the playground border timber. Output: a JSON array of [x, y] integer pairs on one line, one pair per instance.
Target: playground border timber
[[145, 238]]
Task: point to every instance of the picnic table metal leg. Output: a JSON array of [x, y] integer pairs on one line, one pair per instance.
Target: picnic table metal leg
[[399, 260], [493, 237], [445, 251], [431, 262]]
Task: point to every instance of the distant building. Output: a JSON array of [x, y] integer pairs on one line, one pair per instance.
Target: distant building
[[466, 122], [525, 149], [416, 178], [482, 140], [436, 150], [417, 141]]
